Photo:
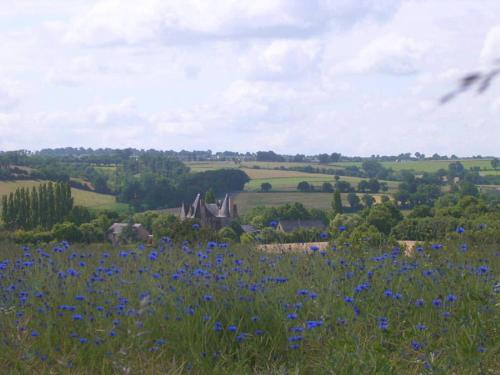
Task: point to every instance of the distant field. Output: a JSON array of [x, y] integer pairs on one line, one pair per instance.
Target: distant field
[[248, 200], [82, 197], [210, 165], [417, 166], [426, 165], [290, 183], [277, 173]]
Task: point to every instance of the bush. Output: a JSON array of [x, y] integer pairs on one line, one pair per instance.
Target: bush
[[67, 231]]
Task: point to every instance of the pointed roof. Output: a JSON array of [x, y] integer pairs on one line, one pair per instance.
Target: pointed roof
[[224, 209]]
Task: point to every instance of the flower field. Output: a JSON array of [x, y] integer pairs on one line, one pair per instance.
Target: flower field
[[211, 308]]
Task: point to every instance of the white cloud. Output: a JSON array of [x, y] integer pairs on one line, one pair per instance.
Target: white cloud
[[181, 21], [491, 48], [281, 59], [391, 54]]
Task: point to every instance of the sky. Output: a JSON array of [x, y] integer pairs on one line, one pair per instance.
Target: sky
[[359, 77]]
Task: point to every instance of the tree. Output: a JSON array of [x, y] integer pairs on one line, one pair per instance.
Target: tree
[[373, 185], [210, 196], [323, 158], [368, 200], [335, 157], [343, 186], [354, 201], [384, 217], [265, 187], [337, 203], [495, 163], [327, 187], [304, 186], [362, 186]]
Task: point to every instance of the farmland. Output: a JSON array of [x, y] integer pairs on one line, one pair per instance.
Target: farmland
[[81, 197], [219, 310], [247, 200], [420, 166]]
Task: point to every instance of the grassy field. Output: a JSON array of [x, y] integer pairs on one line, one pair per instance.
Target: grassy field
[[427, 165], [249, 200], [417, 166], [81, 197], [216, 310], [290, 183]]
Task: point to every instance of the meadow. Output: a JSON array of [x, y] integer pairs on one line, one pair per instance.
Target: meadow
[[248, 200], [214, 309], [81, 197], [420, 166]]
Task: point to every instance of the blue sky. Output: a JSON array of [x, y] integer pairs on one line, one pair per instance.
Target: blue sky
[[359, 77]]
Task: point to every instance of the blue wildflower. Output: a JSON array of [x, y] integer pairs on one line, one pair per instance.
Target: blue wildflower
[[383, 323]]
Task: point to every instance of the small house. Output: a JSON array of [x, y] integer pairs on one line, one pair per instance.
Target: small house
[[116, 231]]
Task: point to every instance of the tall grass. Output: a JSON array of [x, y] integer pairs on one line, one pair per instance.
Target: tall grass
[[208, 308]]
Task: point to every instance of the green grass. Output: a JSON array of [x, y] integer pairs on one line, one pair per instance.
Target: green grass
[[246, 200], [163, 324], [290, 183], [425, 165], [81, 197]]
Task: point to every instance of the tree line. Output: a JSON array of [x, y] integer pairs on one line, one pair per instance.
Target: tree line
[[40, 207]]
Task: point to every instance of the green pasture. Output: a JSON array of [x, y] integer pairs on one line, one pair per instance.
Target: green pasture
[[425, 165], [246, 200], [81, 197], [290, 183]]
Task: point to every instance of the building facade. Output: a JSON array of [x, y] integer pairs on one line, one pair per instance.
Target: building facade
[[213, 215]]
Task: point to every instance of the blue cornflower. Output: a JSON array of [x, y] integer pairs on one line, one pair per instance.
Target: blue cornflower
[[34, 333], [481, 349], [342, 228], [232, 328], [294, 346], [460, 230], [295, 338], [312, 295], [421, 327], [383, 323], [416, 345], [77, 317], [297, 329], [160, 342], [483, 269], [112, 333], [208, 297], [259, 332], [348, 299], [323, 235], [303, 292], [273, 223], [80, 298], [292, 316], [437, 302], [218, 327], [388, 293], [314, 248], [195, 226], [83, 340], [241, 337], [419, 302], [314, 323], [451, 298]]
